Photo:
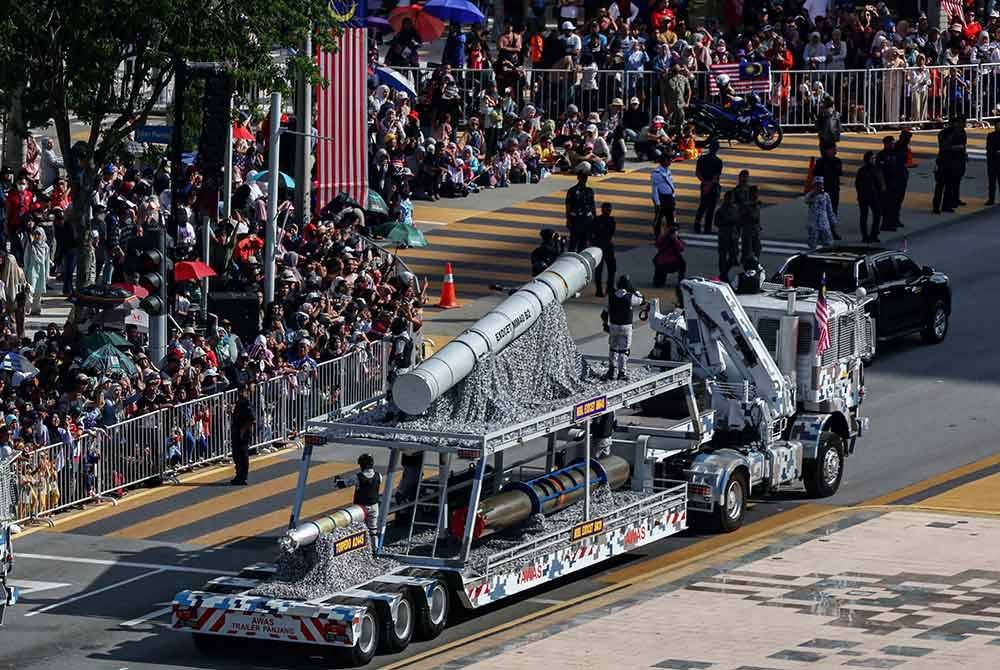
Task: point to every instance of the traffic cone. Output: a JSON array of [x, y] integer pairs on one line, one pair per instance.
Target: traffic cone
[[810, 174], [910, 163], [448, 298]]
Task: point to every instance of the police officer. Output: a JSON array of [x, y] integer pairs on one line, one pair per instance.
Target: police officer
[[993, 161], [709, 172], [603, 235], [617, 320], [869, 184], [580, 209], [664, 194], [546, 253], [366, 485], [950, 167]]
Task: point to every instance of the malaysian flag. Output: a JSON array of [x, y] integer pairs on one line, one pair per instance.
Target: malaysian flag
[[822, 319], [745, 76], [342, 110]]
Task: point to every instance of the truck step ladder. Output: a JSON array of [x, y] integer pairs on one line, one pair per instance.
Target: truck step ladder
[[432, 500]]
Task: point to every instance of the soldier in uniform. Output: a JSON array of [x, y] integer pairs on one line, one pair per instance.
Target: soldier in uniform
[[750, 225], [603, 235], [709, 171], [617, 320], [580, 209], [675, 91], [950, 166], [993, 161], [367, 484], [727, 225]]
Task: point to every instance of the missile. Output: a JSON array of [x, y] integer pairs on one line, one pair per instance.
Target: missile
[[414, 391], [545, 495], [310, 531]]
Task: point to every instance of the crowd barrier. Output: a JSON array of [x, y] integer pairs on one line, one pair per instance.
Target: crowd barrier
[[866, 99], [103, 463]]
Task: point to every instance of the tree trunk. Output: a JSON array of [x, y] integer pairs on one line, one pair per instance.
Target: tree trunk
[[14, 133]]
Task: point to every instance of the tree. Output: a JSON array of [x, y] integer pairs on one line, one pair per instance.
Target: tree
[[106, 62]]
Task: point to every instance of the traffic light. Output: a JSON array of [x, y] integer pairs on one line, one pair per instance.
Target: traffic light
[[154, 270]]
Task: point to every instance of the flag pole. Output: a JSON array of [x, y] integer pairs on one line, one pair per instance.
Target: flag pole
[[274, 180]]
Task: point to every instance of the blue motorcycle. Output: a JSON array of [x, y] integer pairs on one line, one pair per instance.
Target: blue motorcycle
[[745, 121]]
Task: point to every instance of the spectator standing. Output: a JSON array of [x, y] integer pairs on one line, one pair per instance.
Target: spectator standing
[[36, 268], [664, 195], [822, 219], [453, 53], [509, 45], [50, 164], [602, 235], [814, 53], [919, 80], [709, 172], [241, 430], [669, 257], [869, 184], [580, 209], [993, 161]]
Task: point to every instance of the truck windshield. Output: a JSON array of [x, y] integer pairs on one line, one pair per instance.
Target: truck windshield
[[808, 272]]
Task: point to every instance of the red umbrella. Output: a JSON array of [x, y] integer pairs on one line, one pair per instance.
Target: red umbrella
[[134, 289], [242, 133], [192, 270], [428, 27]]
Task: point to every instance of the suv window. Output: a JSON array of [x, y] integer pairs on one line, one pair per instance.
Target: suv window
[[885, 268], [906, 267], [864, 276], [808, 272]]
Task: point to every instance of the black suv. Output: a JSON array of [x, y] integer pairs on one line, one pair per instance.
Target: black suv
[[908, 298]]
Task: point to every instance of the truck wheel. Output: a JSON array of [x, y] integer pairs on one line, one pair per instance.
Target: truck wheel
[[823, 474], [729, 515], [936, 328], [367, 642], [432, 619], [396, 633]]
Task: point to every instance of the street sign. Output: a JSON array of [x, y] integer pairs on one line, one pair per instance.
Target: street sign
[[154, 134]]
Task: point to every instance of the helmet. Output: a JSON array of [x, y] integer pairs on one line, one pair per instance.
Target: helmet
[[624, 282], [583, 169], [722, 80]]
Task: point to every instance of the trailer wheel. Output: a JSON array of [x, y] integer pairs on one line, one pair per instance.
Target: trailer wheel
[[729, 515], [434, 617], [822, 475], [367, 643], [396, 633]]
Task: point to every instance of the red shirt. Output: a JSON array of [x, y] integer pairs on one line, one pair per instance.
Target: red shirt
[[19, 203]]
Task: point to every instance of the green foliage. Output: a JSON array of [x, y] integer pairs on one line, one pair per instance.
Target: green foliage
[[107, 61]]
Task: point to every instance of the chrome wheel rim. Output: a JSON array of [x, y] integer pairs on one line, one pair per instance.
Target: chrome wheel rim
[[734, 500], [940, 322], [831, 467], [403, 620], [366, 641], [439, 604]]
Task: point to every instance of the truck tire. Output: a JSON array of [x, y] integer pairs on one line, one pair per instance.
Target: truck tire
[[364, 650], [822, 475], [396, 633], [432, 619], [936, 328], [729, 514]]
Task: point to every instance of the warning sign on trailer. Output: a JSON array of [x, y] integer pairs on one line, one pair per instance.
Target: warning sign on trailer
[[586, 529], [350, 543], [589, 408]]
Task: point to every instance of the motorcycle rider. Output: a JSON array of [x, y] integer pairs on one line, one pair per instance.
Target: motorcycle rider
[[727, 93], [617, 320]]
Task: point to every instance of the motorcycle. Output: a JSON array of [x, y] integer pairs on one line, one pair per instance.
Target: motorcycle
[[746, 121]]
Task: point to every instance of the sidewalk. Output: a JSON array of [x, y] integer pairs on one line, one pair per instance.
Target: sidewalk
[[901, 587]]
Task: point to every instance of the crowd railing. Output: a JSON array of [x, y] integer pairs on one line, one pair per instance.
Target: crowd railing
[[103, 463]]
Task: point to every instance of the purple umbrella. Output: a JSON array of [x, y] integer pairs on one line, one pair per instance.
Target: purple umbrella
[[455, 11], [378, 22]]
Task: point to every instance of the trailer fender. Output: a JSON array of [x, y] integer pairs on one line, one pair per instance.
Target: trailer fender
[[715, 469], [808, 428]]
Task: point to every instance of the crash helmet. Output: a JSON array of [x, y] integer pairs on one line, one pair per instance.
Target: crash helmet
[[722, 80]]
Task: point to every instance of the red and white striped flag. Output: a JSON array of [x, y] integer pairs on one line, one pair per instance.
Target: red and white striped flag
[[342, 109], [952, 11], [822, 319]]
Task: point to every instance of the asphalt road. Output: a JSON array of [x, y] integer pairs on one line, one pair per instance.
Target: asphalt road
[[932, 409]]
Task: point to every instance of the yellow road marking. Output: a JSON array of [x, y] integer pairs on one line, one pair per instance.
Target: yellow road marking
[[982, 495], [931, 482], [228, 501]]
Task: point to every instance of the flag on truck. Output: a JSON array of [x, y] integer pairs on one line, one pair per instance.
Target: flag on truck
[[342, 110], [822, 319], [745, 76]]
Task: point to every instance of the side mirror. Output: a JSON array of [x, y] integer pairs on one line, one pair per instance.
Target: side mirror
[[927, 270]]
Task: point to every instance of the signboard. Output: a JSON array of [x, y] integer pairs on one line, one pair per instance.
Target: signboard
[[589, 408], [154, 134], [586, 529], [351, 543]]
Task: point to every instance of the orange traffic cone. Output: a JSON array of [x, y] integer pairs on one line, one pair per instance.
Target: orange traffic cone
[[448, 298], [810, 174], [910, 163]]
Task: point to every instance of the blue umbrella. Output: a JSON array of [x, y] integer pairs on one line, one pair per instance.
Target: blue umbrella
[[395, 80], [263, 176], [378, 22], [456, 11]]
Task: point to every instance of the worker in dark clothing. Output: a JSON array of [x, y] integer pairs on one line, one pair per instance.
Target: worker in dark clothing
[[950, 167], [709, 173], [830, 169], [367, 484], [727, 222], [869, 184], [993, 161], [902, 149], [750, 225], [886, 161], [617, 320], [580, 209], [602, 235], [545, 254], [401, 354], [241, 432]]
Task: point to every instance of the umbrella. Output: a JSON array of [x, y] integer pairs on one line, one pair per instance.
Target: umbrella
[[92, 343], [378, 22], [376, 204], [134, 289], [192, 270], [395, 80], [263, 176], [139, 319], [456, 11], [19, 365], [109, 359], [403, 234], [242, 133], [428, 27]]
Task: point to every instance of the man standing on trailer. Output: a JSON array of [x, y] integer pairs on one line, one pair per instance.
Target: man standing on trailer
[[367, 484], [618, 319]]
